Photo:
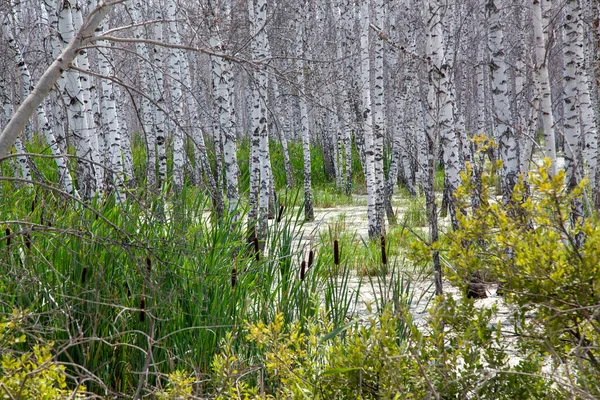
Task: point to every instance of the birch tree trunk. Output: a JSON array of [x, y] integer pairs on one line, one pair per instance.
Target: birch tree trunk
[[349, 88], [64, 177], [88, 96], [543, 79], [257, 10], [433, 115], [220, 70], [503, 131], [375, 228], [72, 93], [174, 62], [589, 130], [378, 118], [148, 109], [304, 123], [110, 120], [157, 81], [572, 127]]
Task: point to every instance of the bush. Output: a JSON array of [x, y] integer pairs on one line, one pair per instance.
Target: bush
[[549, 265], [459, 354], [28, 373]]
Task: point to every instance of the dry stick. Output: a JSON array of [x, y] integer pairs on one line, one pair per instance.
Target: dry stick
[[44, 86], [144, 373]]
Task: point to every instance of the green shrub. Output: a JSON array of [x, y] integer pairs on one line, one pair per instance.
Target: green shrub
[[458, 355], [549, 265], [28, 372]]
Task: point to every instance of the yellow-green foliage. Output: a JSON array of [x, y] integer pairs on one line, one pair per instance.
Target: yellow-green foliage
[[31, 374], [458, 355], [533, 246], [179, 387]]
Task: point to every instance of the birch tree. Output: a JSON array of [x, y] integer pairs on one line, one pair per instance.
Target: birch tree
[[445, 105], [220, 70], [375, 228], [257, 10], [50, 76], [571, 126], [543, 79], [503, 130], [64, 176], [299, 22]]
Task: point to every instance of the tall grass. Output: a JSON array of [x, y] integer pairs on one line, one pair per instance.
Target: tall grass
[[126, 290]]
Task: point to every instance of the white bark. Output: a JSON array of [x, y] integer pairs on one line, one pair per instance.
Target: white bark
[[375, 228], [503, 131], [49, 78], [148, 83], [110, 121], [63, 172], [174, 60], [156, 79], [378, 117], [88, 95], [258, 13], [220, 72], [304, 123], [571, 71], [543, 79]]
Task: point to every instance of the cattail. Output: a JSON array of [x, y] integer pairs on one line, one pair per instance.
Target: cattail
[[8, 235], [143, 308], [280, 215], [148, 264], [128, 291], [383, 252], [256, 249], [233, 277], [83, 274], [336, 252], [27, 241], [311, 256], [33, 203], [302, 270]]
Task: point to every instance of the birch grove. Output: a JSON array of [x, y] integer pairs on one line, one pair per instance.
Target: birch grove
[[370, 95]]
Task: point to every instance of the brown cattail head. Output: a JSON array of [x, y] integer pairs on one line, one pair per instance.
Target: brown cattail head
[[336, 252], [27, 241], [8, 233], [302, 270], [383, 251], [128, 291], [143, 310], [148, 264], [311, 258], [83, 274], [33, 203], [280, 215], [256, 248], [233, 277]]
